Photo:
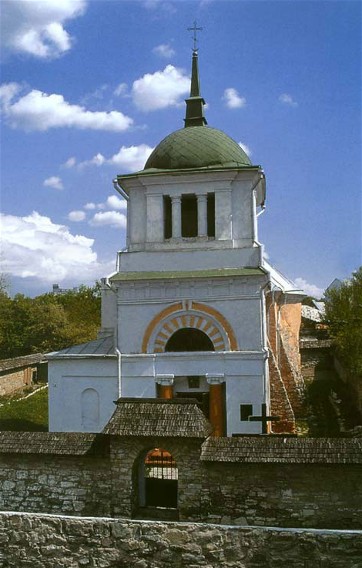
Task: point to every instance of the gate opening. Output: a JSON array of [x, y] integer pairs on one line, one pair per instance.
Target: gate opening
[[160, 479]]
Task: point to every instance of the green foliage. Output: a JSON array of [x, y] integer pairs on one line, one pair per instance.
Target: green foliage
[[344, 317], [48, 322], [30, 414]]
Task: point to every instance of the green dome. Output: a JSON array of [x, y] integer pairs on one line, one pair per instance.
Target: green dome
[[197, 147]]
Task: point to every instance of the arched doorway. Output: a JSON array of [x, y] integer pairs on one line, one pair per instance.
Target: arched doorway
[[158, 480]]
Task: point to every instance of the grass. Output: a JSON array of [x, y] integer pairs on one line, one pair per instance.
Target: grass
[[29, 415]]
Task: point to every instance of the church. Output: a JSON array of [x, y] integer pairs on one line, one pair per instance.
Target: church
[[193, 310]]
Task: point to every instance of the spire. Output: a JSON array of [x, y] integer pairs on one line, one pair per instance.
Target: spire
[[195, 103]]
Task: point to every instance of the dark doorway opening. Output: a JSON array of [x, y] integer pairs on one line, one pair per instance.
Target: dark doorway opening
[[189, 339], [160, 478]]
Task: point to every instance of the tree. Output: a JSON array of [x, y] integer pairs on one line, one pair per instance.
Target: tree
[[344, 318], [48, 322]]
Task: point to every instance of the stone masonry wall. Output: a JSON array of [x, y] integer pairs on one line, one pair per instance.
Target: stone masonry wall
[[43, 541], [318, 496], [125, 456], [55, 484], [277, 494]]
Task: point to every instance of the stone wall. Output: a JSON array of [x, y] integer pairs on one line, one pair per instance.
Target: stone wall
[[55, 484], [283, 495], [44, 541], [263, 481]]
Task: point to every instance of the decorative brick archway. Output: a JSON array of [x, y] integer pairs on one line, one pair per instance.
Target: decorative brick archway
[[188, 314]]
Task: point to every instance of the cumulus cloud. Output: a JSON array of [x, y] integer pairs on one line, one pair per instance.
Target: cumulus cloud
[[53, 181], [36, 28], [41, 111], [131, 158], [310, 289], [161, 89], [121, 90], [233, 99], [113, 219], [164, 50], [70, 163], [114, 202], [36, 247], [287, 100], [76, 216], [246, 148]]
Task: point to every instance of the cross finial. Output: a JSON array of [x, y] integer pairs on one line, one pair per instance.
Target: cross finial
[[194, 29]]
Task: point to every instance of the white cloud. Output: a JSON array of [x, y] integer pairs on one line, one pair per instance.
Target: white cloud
[[287, 100], [310, 289], [131, 158], [41, 111], [53, 181], [245, 148], [114, 202], [233, 99], [70, 163], [34, 246], [90, 206], [121, 90], [164, 50], [109, 218], [76, 216], [36, 27], [161, 89]]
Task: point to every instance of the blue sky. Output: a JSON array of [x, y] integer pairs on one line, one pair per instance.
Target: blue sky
[[88, 88]]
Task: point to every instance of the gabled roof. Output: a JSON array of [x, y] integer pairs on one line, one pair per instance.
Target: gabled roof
[[101, 347], [158, 417], [279, 449]]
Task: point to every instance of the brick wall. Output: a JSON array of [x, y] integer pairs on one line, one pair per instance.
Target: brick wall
[[17, 379], [50, 541]]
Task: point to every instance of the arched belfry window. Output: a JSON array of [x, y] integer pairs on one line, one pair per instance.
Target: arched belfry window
[[189, 339], [183, 327]]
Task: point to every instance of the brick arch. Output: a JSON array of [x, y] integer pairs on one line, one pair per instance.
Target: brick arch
[[188, 315]]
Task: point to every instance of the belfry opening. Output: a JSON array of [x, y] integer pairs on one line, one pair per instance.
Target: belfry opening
[[189, 339]]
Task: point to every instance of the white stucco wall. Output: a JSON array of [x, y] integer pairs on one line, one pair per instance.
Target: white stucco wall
[[68, 379]]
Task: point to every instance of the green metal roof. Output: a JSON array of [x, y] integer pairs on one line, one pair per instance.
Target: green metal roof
[[197, 147], [176, 275]]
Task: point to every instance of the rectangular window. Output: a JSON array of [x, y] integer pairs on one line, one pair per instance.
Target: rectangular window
[[167, 217], [189, 216], [211, 214], [246, 410]]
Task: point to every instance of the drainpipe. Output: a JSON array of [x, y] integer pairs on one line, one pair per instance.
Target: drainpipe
[[265, 344], [119, 356], [119, 189]]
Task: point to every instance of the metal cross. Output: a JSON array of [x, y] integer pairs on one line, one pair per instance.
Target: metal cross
[[264, 419], [194, 29]]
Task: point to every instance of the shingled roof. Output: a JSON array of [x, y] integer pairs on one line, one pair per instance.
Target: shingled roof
[[270, 449], [179, 418], [60, 443], [23, 361]]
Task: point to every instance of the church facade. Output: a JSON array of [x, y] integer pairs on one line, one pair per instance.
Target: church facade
[[193, 310]]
